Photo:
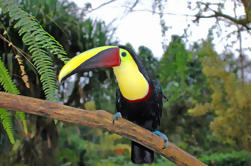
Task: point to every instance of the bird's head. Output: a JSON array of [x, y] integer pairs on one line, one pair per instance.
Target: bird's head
[[130, 73]]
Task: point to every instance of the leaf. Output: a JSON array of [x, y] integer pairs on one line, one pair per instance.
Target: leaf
[[5, 116], [6, 81], [41, 45], [10, 87]]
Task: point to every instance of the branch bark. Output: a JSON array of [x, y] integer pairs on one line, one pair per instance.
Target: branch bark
[[98, 119]]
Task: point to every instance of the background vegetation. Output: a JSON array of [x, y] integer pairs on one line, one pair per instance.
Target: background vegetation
[[209, 108]]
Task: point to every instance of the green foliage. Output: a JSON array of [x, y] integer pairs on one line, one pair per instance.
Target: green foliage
[[183, 83], [75, 148], [230, 103], [174, 63], [40, 43], [108, 146], [180, 73], [5, 117], [242, 158], [9, 86], [6, 81]]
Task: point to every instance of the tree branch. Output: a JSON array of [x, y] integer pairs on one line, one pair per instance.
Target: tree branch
[[103, 4], [245, 22], [134, 5], [216, 14], [98, 119]]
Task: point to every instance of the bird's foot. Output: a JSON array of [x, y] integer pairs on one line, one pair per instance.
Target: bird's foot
[[163, 136], [116, 117]]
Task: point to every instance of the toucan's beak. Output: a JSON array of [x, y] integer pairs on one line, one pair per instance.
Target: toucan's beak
[[106, 56]]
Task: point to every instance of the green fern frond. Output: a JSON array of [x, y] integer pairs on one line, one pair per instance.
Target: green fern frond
[[6, 81], [57, 48], [5, 116], [10, 87], [40, 44]]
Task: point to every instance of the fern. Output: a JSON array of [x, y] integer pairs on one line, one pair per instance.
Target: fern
[[6, 81], [40, 44], [9, 86], [5, 116]]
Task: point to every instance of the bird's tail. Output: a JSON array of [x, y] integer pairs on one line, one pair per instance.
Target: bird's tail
[[141, 154]]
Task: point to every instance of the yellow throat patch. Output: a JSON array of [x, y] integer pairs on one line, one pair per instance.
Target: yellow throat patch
[[131, 82]]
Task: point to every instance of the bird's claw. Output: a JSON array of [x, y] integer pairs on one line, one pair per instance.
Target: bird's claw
[[116, 117], [163, 136]]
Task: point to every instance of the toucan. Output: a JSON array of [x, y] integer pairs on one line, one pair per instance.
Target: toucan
[[138, 97]]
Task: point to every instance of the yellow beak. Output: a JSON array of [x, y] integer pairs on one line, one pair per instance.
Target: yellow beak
[[105, 56]]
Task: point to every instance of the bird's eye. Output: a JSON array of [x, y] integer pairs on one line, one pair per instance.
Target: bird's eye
[[124, 54]]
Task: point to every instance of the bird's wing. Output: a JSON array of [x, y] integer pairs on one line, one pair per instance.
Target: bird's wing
[[158, 98]]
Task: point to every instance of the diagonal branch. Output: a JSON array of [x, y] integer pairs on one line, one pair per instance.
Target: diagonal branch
[[216, 14], [98, 119], [103, 4], [244, 22]]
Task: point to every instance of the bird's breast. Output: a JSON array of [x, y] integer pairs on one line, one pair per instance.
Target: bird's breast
[[132, 84]]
